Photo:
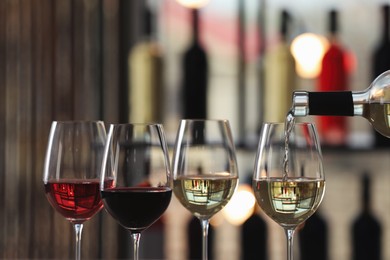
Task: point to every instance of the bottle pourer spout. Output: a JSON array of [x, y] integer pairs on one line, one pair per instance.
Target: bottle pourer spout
[[300, 103]]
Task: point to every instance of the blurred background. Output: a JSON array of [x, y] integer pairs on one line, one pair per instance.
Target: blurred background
[[163, 60]]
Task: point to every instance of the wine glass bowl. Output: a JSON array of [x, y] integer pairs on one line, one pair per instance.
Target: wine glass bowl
[[136, 180], [205, 172], [288, 180], [72, 170], [289, 202]]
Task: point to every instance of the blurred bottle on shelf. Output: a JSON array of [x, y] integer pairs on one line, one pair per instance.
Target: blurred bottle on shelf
[[366, 229], [194, 238], [381, 63], [280, 75], [333, 77], [195, 75], [262, 39], [313, 238], [145, 63], [254, 237]]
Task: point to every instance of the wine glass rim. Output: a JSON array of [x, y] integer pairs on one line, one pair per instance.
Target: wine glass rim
[[296, 123], [136, 124], [204, 120], [77, 121]]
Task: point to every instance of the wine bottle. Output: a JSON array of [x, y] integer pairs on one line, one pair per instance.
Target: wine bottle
[[381, 62], [145, 75], [194, 237], [333, 77], [373, 103], [254, 238], [280, 76], [366, 229], [195, 75], [313, 238]]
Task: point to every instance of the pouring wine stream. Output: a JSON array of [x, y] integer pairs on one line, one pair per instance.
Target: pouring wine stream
[[288, 126]]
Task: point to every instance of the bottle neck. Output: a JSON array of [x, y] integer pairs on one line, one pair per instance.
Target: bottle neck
[[342, 103], [285, 17], [385, 32], [300, 103], [195, 26], [359, 99]]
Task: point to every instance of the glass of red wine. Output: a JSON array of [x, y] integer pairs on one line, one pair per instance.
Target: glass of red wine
[[136, 162], [72, 169]]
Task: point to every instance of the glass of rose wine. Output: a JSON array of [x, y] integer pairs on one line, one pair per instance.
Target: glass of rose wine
[[136, 163], [205, 173], [72, 170], [289, 180]]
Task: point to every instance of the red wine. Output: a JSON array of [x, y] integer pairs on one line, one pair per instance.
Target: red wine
[[76, 200], [136, 208]]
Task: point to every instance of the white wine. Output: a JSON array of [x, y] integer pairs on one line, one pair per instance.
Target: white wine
[[290, 202], [288, 127], [204, 195], [379, 115]]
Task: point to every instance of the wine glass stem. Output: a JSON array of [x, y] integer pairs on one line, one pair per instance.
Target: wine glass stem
[[205, 232], [78, 228], [136, 238], [290, 245]]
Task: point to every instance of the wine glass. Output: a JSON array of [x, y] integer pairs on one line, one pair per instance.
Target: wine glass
[[288, 180], [136, 180], [72, 169], [205, 172]]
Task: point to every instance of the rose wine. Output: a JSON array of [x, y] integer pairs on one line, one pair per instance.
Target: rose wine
[[203, 195], [76, 200], [136, 208], [290, 202]]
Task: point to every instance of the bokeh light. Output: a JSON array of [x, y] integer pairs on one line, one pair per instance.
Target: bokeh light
[[241, 205], [194, 4], [308, 50]]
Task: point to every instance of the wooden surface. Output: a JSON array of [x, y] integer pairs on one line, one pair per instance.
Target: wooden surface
[[57, 59]]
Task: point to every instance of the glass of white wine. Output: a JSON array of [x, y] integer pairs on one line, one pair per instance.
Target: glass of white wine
[[289, 180], [205, 173]]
